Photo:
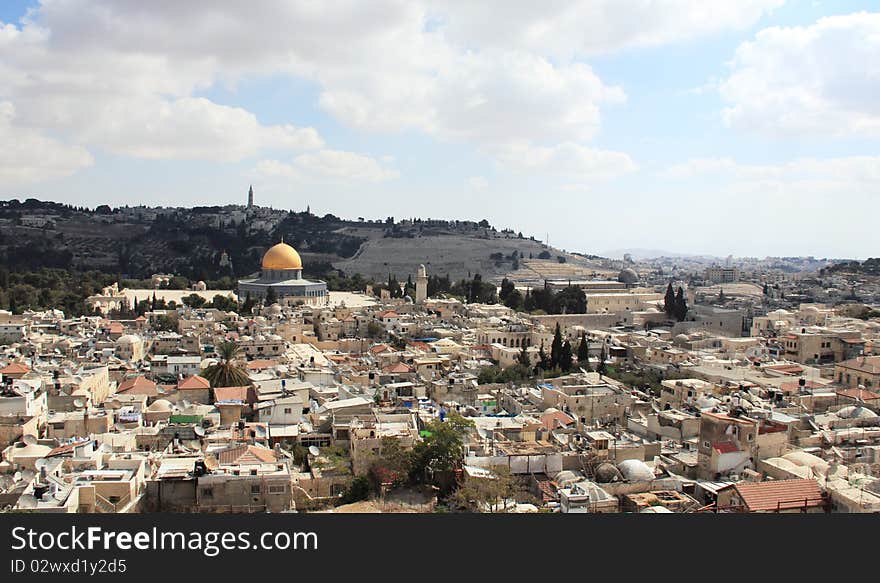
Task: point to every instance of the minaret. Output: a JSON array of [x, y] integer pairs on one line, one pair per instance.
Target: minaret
[[421, 285], [251, 197]]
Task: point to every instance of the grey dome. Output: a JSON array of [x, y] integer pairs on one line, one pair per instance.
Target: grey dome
[[628, 276], [607, 473]]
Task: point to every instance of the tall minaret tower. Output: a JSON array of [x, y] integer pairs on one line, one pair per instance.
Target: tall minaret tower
[[251, 197], [421, 285]]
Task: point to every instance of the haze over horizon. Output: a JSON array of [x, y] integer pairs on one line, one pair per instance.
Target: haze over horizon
[[745, 128]]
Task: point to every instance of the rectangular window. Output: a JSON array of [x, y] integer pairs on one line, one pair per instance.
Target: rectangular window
[[255, 489], [207, 492], [277, 488]]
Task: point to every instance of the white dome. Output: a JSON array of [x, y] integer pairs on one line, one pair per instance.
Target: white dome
[[128, 339], [160, 406], [656, 510], [853, 412], [635, 471]]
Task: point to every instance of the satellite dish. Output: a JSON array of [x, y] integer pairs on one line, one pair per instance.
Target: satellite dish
[[200, 431], [27, 501], [41, 464], [17, 477], [79, 403], [194, 444], [313, 450], [186, 404], [27, 475], [6, 483], [29, 439]]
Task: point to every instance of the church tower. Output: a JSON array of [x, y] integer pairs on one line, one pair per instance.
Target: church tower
[[251, 197], [421, 285]]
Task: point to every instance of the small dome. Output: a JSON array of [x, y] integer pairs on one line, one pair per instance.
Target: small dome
[[628, 276], [282, 256], [635, 471], [607, 473], [160, 406], [682, 339], [656, 510], [853, 412], [128, 339]]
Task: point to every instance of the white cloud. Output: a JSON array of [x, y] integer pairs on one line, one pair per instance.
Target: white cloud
[[568, 160], [566, 27], [331, 165], [821, 79], [27, 156], [123, 75], [137, 104]]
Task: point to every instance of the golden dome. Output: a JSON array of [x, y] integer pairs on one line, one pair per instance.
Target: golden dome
[[282, 256]]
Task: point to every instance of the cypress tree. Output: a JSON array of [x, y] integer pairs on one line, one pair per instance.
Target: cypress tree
[[565, 357], [681, 307], [669, 301], [583, 353], [556, 347]]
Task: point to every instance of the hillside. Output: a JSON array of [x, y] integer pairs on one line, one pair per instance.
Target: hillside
[[210, 243]]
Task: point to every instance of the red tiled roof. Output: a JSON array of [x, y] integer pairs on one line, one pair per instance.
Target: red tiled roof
[[556, 419], [261, 364], [246, 394], [389, 314], [858, 394], [780, 494], [194, 382], [790, 369], [398, 368], [139, 385], [725, 447], [380, 348], [247, 454], [15, 368]]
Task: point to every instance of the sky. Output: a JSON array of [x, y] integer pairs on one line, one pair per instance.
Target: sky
[[743, 127]]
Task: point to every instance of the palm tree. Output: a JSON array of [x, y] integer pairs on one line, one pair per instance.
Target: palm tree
[[228, 372]]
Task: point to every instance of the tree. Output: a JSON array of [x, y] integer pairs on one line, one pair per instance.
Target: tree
[[391, 464], [248, 304], [224, 303], [565, 357], [603, 356], [442, 448], [194, 301], [164, 324], [271, 296], [583, 353], [543, 361], [669, 301], [492, 492], [514, 300], [507, 288], [556, 347], [227, 372], [681, 307], [570, 300], [523, 357]]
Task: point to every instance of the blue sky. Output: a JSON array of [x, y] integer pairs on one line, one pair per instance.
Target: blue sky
[[745, 127]]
